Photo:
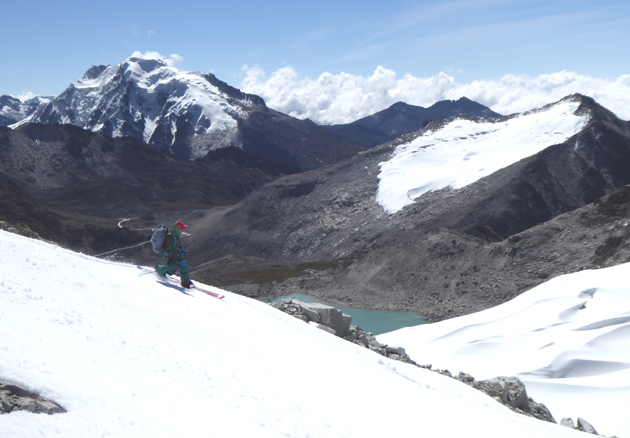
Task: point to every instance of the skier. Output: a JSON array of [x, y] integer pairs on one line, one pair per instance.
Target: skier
[[174, 255]]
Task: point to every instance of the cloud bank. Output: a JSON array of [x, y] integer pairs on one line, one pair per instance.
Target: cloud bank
[[344, 98]]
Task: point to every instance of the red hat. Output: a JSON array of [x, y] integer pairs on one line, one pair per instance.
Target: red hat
[[181, 225]]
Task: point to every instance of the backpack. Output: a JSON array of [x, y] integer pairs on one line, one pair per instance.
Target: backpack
[[158, 239]]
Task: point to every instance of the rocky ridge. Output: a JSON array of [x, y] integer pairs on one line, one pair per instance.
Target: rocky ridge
[[401, 118]]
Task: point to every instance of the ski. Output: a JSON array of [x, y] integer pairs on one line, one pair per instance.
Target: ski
[[194, 286], [146, 270]]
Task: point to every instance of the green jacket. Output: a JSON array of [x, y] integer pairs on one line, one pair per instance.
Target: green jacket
[[174, 244]]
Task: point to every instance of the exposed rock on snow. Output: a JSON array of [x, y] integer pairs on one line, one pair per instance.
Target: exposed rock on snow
[[581, 425], [17, 398], [320, 314]]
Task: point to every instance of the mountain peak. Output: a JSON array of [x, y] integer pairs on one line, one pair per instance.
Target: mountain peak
[[145, 65], [149, 99], [402, 118], [94, 72]]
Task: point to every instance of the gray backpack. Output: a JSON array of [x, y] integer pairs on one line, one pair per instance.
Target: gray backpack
[[158, 239]]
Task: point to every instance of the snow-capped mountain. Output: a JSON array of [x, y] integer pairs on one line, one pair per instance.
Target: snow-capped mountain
[[153, 101], [462, 150], [126, 356], [14, 110], [187, 114]]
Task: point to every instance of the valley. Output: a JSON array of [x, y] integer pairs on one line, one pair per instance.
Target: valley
[[294, 208]]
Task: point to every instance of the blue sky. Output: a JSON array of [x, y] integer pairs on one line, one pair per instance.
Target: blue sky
[[49, 45]]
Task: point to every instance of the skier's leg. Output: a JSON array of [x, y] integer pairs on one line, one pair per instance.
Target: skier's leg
[[161, 269], [169, 268], [184, 274], [171, 265]]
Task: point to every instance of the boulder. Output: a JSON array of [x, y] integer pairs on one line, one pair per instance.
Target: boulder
[[16, 398], [329, 316], [540, 411], [311, 314], [510, 390], [585, 426], [323, 327]]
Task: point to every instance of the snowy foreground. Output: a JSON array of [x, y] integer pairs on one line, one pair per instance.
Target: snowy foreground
[[568, 340], [128, 357], [464, 151]]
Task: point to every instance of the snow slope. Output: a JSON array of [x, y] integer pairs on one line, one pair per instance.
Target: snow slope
[[464, 151], [568, 340], [128, 357]]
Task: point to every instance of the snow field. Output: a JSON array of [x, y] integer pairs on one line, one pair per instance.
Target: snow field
[[129, 357], [568, 340]]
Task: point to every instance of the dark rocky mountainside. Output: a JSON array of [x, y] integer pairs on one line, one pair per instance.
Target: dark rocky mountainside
[[73, 186], [287, 140], [401, 118], [452, 252]]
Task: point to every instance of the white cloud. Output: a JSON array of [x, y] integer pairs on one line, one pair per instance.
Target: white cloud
[[343, 98], [173, 59], [27, 95], [151, 32]]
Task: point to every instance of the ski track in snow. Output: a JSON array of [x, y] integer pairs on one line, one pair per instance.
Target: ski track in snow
[[465, 151], [128, 357]]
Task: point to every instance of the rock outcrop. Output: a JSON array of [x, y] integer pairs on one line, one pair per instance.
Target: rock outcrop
[[21, 229], [582, 425], [511, 392], [16, 398], [325, 317]]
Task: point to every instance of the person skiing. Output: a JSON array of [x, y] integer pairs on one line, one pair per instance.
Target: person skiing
[[174, 255]]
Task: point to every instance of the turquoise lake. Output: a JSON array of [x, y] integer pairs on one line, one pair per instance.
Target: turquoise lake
[[375, 321]]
